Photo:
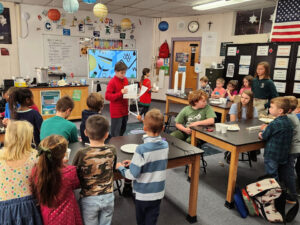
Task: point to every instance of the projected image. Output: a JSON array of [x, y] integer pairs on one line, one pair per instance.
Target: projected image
[[102, 62]]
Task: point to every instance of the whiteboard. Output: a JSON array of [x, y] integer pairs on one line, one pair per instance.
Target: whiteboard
[[64, 51]]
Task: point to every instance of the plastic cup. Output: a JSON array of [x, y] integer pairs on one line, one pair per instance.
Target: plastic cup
[[68, 153], [224, 128], [218, 127]]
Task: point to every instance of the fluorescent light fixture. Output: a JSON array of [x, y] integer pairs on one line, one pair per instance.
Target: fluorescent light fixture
[[218, 4]]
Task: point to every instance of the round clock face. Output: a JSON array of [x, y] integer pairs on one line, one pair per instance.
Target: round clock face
[[193, 26]]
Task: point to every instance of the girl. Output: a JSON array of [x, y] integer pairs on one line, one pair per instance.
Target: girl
[[231, 91], [219, 91], [247, 81], [53, 183], [24, 97], [263, 88], [17, 205], [244, 109]]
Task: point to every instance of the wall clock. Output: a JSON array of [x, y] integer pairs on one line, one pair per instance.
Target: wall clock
[[193, 26]]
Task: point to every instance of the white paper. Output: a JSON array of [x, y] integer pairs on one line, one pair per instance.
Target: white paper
[[262, 50], [197, 68], [231, 51], [132, 91], [279, 75], [143, 90], [282, 63], [283, 50], [209, 44], [296, 88], [298, 55], [298, 63], [280, 87], [230, 70], [245, 60], [244, 70], [183, 78], [297, 75]]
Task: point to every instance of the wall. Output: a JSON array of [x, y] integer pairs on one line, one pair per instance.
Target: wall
[[223, 24]]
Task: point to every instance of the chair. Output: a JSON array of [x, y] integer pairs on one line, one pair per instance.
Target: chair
[[168, 122], [118, 184], [227, 156]]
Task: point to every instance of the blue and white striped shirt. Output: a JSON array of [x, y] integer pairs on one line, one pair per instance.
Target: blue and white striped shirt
[[148, 169]]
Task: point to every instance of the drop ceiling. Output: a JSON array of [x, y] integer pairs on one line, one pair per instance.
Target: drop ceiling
[[156, 8]]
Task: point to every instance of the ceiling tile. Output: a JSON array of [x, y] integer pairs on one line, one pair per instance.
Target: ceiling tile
[[124, 2], [149, 4], [146, 12], [124, 10]]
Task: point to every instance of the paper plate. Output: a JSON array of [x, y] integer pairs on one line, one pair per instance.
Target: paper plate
[[266, 120], [233, 127], [129, 148], [217, 102]]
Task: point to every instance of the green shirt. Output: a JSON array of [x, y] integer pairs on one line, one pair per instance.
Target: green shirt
[[264, 89], [189, 115], [60, 126]]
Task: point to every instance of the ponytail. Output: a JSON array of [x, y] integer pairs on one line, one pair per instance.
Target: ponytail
[[22, 96], [145, 71]]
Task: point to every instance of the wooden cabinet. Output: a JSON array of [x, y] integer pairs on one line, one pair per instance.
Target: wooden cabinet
[[79, 104]]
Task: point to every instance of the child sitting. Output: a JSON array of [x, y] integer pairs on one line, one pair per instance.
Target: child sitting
[[53, 183], [247, 81], [231, 91], [196, 114], [219, 91], [148, 170], [95, 103], [95, 165], [204, 86], [59, 123]]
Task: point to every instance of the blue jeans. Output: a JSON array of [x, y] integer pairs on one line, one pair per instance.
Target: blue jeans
[[271, 168], [289, 171], [97, 210]]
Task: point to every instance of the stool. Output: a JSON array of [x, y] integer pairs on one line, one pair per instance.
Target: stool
[[169, 116], [118, 188]]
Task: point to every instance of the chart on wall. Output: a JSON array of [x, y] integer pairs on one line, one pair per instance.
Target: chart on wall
[[102, 62]]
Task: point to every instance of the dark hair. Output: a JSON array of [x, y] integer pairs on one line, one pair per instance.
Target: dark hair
[[204, 79], [195, 96], [154, 121], [281, 103], [145, 71], [46, 179], [120, 66], [96, 127], [266, 65], [234, 83], [22, 96], [249, 107], [249, 78], [95, 101], [65, 103]]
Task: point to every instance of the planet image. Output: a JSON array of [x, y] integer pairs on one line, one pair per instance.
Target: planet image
[[92, 62]]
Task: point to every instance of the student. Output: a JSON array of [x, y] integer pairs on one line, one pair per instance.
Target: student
[[278, 136], [118, 106], [95, 165], [196, 114], [95, 103], [243, 110], [231, 91], [263, 88], [297, 110], [53, 183], [24, 97], [148, 170], [204, 86], [247, 81], [219, 91], [59, 123], [17, 159]]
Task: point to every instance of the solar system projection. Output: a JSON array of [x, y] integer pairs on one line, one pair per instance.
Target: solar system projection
[[102, 62]]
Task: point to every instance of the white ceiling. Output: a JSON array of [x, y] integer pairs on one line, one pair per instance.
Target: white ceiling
[[156, 8]]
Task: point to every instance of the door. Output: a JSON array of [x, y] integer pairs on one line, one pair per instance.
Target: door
[[190, 50]]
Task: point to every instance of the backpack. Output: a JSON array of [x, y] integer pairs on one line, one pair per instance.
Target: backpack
[[164, 51], [270, 199]]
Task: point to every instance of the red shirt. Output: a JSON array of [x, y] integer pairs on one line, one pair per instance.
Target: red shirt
[[118, 106], [146, 98]]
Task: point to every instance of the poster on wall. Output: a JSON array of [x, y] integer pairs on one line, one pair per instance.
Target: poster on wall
[[297, 75], [282, 63], [209, 44], [245, 60], [5, 31], [223, 48], [296, 88], [279, 75], [298, 55], [280, 87], [230, 70], [231, 51], [262, 50], [298, 63], [283, 50], [244, 70]]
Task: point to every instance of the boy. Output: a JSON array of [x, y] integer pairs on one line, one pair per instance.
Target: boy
[[59, 123], [95, 103], [148, 170], [196, 114], [204, 86], [219, 91], [278, 136], [95, 165], [118, 106]]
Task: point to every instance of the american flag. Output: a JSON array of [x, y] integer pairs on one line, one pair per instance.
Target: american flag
[[286, 27]]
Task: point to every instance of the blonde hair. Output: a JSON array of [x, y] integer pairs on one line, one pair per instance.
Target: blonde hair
[[17, 140], [221, 80]]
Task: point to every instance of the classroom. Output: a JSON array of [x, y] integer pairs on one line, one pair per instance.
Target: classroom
[[149, 112]]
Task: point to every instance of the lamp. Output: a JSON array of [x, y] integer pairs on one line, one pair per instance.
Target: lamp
[[1, 8], [53, 14], [100, 10], [218, 4], [70, 6], [126, 23], [89, 1]]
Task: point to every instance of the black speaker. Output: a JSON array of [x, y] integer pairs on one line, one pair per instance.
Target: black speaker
[[213, 75], [8, 83]]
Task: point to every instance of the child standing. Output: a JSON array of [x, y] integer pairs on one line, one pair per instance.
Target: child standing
[[95, 103], [95, 165], [204, 86], [263, 88], [148, 170], [24, 98], [59, 124], [231, 91], [17, 159], [53, 183], [219, 91], [118, 106], [247, 81]]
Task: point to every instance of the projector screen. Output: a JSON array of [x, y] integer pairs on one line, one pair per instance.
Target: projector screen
[[102, 62]]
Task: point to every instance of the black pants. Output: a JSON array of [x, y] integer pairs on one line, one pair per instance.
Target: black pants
[[147, 212], [118, 126], [297, 168], [144, 109]]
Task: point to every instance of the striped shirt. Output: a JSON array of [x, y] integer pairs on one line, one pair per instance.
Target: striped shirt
[[148, 169]]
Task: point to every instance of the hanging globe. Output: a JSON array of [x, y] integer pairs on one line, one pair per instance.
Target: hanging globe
[[1, 8], [126, 23], [100, 10], [53, 14], [163, 26], [89, 1], [71, 6]]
